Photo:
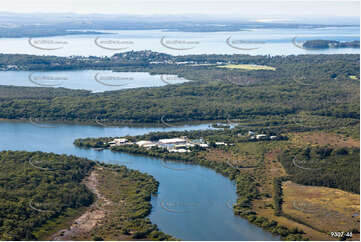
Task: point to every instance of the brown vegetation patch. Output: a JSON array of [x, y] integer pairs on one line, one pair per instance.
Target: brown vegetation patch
[[243, 159], [323, 139], [325, 209]]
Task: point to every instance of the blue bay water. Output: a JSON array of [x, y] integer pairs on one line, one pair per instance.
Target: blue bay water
[[270, 41]]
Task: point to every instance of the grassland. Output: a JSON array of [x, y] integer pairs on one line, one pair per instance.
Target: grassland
[[325, 209], [322, 139]]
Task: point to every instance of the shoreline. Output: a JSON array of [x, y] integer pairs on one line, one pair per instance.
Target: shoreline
[[118, 125], [217, 167]]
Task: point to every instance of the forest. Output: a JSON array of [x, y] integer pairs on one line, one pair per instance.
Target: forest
[[305, 92], [316, 85], [37, 187], [324, 44], [40, 193], [130, 193], [324, 166]]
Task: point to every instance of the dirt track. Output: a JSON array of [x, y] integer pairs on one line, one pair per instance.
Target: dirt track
[[88, 220]]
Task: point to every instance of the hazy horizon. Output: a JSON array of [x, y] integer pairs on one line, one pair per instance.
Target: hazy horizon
[[258, 11]]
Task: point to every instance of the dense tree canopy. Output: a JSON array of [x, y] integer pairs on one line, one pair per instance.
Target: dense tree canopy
[[36, 187], [315, 84]]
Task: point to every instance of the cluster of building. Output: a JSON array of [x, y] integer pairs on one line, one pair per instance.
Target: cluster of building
[[119, 142], [9, 68], [252, 135], [181, 144]]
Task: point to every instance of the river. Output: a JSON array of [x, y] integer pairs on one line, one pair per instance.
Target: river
[[194, 202]]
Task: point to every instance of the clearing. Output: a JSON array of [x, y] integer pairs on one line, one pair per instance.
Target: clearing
[[248, 67], [323, 139], [322, 208], [90, 218]]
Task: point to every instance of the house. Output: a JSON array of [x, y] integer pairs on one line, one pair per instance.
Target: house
[[261, 136], [121, 140], [11, 67], [118, 142], [179, 150], [220, 143], [250, 133]]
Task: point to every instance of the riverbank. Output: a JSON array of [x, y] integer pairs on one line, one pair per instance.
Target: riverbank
[[82, 225], [115, 189], [246, 184], [124, 197], [41, 189], [258, 173], [99, 123], [82, 199], [195, 184]]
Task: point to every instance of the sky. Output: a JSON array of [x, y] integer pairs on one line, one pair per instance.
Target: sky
[[243, 9]]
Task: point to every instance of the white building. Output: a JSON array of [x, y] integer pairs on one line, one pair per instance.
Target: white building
[[145, 143], [250, 133], [117, 142], [261, 136], [175, 141], [187, 145], [220, 143], [120, 140], [179, 150]]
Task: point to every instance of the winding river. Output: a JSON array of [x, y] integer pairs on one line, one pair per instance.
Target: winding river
[[194, 202]]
